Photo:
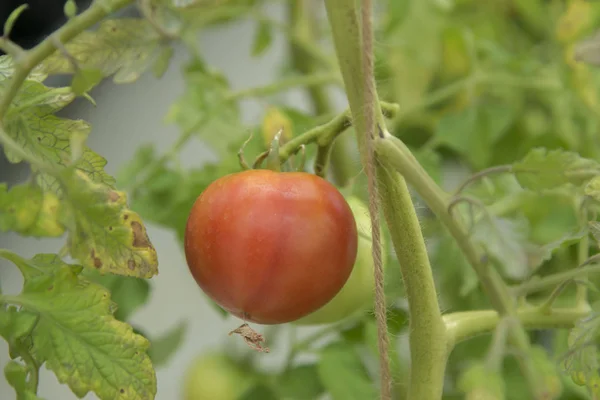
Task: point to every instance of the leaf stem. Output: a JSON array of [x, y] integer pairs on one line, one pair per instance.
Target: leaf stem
[[461, 326], [583, 252], [284, 84], [326, 133], [547, 282]]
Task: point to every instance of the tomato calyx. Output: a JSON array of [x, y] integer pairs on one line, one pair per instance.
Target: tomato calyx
[[271, 156], [252, 338]]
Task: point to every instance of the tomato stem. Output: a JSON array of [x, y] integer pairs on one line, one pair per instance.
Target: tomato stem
[[273, 160]]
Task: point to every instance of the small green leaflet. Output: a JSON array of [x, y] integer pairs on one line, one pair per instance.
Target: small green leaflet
[[85, 79], [164, 347], [124, 47], [103, 233], [31, 123], [592, 189], [344, 375], [77, 336], [262, 39], [474, 131], [581, 361], [16, 375], [204, 108], [547, 169], [15, 326], [27, 210]]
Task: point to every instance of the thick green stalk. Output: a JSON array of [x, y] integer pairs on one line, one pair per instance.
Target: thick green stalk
[[399, 158], [427, 329], [427, 335]]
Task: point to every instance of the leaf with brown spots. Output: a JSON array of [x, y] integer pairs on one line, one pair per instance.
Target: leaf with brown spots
[[27, 210], [103, 233], [77, 336]]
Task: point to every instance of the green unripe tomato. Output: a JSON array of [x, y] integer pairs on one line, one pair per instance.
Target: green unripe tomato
[[357, 294], [214, 376]]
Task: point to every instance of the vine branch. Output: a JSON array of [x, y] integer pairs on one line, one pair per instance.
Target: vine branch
[[398, 156]]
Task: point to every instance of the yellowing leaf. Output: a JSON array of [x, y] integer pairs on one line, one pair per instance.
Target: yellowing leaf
[[28, 210], [77, 336], [31, 123], [103, 233], [575, 20], [125, 47]]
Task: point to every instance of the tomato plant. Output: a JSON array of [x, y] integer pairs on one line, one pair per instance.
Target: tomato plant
[[250, 244], [468, 130]]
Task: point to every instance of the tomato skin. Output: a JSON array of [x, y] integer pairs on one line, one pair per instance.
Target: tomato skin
[[357, 294], [271, 247]]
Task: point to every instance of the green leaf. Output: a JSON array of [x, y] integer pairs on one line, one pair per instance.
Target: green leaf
[[85, 79], [124, 47], [547, 371], [474, 131], [547, 169], [78, 337], [262, 38], [504, 241], [16, 376], [103, 233], [300, 383], [204, 109], [7, 69], [259, 392], [129, 293], [165, 346], [343, 374], [592, 189], [582, 359], [27, 210], [162, 62], [45, 137], [12, 18], [15, 325]]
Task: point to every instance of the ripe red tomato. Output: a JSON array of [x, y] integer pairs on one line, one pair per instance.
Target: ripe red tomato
[[271, 247]]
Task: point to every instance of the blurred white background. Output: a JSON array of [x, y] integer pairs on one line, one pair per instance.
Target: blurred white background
[[126, 117]]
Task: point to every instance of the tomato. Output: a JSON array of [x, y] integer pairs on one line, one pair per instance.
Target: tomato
[[215, 376], [271, 247], [357, 293]]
